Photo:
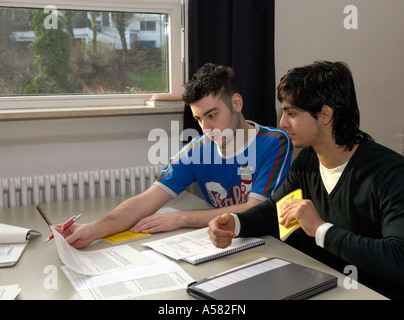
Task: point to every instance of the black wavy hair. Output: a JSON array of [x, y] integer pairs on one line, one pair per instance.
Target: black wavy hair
[[211, 79], [326, 83]]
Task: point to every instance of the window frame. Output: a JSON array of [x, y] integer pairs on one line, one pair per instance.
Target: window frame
[[170, 7]]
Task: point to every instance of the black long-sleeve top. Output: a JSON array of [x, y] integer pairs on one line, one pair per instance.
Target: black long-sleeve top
[[366, 207]]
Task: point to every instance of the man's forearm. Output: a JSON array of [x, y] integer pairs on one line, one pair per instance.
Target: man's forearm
[[259, 220], [130, 211], [201, 218], [120, 218]]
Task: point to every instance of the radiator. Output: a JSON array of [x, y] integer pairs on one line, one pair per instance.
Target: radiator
[[58, 187]]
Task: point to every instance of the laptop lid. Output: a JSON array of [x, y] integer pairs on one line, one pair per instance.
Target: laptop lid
[[269, 279]]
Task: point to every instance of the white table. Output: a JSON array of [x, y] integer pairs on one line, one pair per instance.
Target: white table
[[31, 270]]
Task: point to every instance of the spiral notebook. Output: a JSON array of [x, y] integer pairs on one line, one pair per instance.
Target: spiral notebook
[[195, 246], [238, 244]]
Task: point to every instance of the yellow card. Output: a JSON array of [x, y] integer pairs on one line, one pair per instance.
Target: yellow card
[[284, 233], [126, 236]]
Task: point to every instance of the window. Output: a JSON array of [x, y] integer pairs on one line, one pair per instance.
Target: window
[[148, 25], [92, 56], [82, 52]]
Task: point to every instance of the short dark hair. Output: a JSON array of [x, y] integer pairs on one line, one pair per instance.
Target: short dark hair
[[211, 79], [326, 83]]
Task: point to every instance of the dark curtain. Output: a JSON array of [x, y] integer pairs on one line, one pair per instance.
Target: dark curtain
[[240, 34]]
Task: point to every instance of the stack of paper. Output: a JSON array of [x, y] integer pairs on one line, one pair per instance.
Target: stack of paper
[[118, 272], [160, 276]]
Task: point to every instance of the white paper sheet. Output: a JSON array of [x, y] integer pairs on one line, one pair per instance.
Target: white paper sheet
[[139, 287], [10, 253], [9, 292], [183, 245], [160, 265], [98, 261]]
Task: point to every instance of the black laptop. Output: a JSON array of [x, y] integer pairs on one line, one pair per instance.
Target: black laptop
[[267, 279]]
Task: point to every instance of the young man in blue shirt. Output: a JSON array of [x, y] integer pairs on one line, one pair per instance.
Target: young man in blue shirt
[[236, 163]]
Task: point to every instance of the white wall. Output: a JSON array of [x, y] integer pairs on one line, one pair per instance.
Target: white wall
[[308, 30], [64, 145]]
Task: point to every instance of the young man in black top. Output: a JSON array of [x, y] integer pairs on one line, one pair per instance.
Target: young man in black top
[[353, 188]]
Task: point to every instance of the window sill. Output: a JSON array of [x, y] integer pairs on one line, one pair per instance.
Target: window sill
[[81, 112]]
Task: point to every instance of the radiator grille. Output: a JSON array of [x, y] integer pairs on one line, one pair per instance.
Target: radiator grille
[[58, 187]]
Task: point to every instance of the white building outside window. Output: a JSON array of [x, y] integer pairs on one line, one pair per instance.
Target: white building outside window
[[104, 66]]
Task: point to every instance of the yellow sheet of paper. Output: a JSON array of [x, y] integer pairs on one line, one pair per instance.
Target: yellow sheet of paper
[[284, 233], [125, 236]]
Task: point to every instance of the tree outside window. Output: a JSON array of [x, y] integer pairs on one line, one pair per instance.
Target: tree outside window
[[88, 53]]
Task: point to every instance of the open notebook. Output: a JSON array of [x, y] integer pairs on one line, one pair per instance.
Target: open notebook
[[13, 241]]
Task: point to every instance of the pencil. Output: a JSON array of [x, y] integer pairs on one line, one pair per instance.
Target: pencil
[[44, 216]]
